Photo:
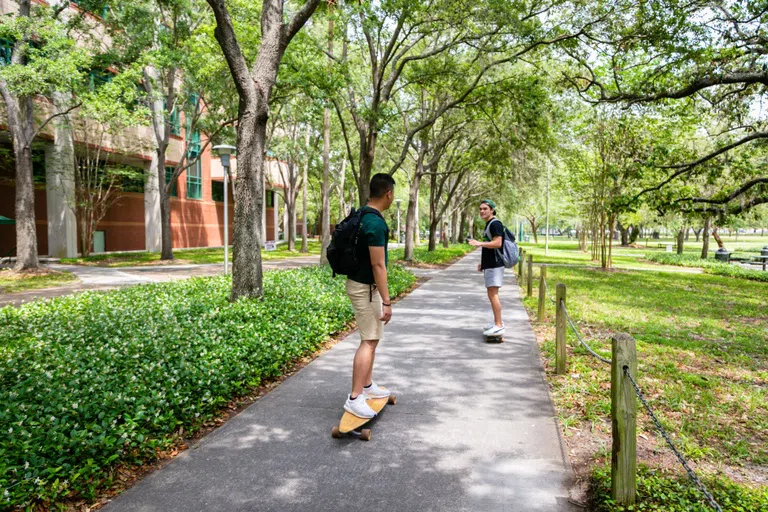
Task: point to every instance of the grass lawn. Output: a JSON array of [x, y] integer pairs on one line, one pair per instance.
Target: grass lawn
[[185, 256], [16, 282], [703, 365]]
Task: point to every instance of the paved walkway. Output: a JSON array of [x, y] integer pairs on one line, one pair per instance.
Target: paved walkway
[[473, 428], [106, 278]]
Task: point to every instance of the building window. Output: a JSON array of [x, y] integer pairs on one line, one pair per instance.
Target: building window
[[195, 180], [6, 51], [217, 191], [175, 122], [168, 176], [270, 198], [98, 78]]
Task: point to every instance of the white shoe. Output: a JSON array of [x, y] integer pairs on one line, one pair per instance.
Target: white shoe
[[494, 331], [491, 325], [359, 407], [376, 392]]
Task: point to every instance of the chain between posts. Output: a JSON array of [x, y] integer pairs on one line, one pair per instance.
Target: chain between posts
[[698, 483], [672, 446]]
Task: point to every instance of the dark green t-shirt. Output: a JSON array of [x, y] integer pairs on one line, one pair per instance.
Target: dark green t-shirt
[[373, 233]]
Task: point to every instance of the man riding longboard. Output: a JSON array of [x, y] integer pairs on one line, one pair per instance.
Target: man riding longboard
[[359, 250]]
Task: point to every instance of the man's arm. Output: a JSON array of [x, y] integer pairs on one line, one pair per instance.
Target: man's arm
[[379, 265], [496, 243]]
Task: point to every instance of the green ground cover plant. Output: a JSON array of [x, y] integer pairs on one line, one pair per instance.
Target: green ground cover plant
[[664, 492], [440, 256], [703, 364], [16, 282], [96, 379], [182, 256]]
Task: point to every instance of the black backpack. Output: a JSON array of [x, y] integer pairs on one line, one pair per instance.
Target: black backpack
[[344, 252]]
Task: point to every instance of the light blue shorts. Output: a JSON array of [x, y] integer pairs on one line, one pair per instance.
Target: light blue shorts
[[494, 277]]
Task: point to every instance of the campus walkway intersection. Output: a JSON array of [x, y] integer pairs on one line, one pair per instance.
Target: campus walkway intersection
[[473, 428]]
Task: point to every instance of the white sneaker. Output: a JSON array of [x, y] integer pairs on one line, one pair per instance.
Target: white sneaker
[[494, 331], [376, 392], [359, 407], [491, 325]]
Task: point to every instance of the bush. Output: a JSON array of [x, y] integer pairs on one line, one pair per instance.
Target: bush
[[710, 266], [440, 256], [659, 492], [90, 380]]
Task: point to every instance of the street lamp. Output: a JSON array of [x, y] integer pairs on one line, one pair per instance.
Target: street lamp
[[224, 152], [398, 201]]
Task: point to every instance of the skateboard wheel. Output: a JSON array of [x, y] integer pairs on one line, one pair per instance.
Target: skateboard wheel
[[392, 400], [365, 434], [335, 433]]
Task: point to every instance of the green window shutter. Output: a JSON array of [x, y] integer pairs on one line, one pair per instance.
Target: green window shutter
[[168, 176], [175, 122]]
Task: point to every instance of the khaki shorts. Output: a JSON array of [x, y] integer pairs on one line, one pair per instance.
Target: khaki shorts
[[367, 310]]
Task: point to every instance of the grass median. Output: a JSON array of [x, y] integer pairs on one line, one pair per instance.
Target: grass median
[[702, 363], [100, 379], [11, 281], [185, 256]]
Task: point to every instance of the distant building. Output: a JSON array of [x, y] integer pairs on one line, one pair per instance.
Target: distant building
[[133, 223]]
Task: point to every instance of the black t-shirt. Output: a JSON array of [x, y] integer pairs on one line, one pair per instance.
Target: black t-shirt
[[490, 258]]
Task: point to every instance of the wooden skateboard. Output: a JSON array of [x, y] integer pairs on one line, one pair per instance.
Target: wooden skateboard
[[353, 425], [498, 338]]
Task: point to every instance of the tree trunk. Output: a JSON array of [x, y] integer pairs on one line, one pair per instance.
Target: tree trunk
[[705, 241], [697, 233], [417, 222], [432, 234], [411, 220], [166, 233], [455, 226], [624, 234], [342, 178], [305, 184], [680, 240], [445, 233], [463, 225], [716, 236], [634, 233], [291, 228], [534, 227], [325, 228], [20, 121]]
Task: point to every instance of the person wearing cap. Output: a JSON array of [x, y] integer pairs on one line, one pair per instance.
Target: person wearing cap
[[492, 263]]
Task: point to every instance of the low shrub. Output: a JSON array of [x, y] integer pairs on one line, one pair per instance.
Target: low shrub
[[440, 256], [90, 380], [710, 266], [661, 492]]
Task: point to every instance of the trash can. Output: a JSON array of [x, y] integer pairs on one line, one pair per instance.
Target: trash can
[[764, 252], [723, 255]]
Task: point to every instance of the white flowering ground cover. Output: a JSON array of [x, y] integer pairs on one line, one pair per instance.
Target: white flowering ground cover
[[96, 379]]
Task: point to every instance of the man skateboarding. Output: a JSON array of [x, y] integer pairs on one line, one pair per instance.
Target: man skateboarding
[[367, 290], [492, 263]]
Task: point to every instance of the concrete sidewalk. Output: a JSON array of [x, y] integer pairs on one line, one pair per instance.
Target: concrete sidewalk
[[473, 428]]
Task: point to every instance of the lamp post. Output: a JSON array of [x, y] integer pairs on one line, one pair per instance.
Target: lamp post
[[224, 153]]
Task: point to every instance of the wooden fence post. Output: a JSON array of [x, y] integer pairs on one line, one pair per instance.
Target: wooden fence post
[[623, 419], [560, 329], [529, 282], [520, 262], [542, 292]]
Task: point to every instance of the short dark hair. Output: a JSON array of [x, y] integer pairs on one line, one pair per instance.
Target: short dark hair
[[381, 183]]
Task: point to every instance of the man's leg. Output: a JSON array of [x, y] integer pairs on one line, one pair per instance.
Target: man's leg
[[362, 367], [493, 296]]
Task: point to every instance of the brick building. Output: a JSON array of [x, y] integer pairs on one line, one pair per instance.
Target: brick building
[[133, 223]]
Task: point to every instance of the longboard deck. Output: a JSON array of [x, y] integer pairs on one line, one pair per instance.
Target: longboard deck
[[351, 424], [495, 339]]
